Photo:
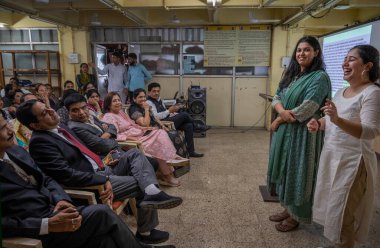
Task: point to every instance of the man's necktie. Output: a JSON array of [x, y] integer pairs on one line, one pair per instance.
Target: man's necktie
[[27, 178], [81, 147]]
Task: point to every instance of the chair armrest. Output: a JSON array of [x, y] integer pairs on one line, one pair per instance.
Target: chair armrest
[[169, 124], [131, 143], [81, 194], [18, 242], [95, 188]]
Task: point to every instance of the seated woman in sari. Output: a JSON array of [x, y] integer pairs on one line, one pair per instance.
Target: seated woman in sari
[[155, 141], [294, 152], [140, 112], [94, 103]]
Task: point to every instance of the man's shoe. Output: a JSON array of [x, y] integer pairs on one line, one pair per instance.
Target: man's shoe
[[155, 237], [160, 201], [195, 154]]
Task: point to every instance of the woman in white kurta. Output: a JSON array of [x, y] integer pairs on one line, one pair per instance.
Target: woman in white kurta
[[343, 199]]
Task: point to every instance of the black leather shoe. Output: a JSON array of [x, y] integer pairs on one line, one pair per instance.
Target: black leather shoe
[[160, 201], [155, 237], [195, 154]]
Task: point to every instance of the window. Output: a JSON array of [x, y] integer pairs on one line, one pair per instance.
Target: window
[[158, 59], [193, 62]]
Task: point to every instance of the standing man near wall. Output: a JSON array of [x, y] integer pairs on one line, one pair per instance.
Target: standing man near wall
[[117, 75], [137, 75]]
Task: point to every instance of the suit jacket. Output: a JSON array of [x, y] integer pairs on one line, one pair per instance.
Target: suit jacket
[[24, 205], [61, 160], [90, 135]]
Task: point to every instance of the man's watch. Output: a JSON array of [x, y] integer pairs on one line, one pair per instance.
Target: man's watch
[[107, 178]]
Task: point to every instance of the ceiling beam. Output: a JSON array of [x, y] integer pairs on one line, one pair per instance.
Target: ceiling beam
[[267, 3], [316, 6], [112, 4], [35, 14]]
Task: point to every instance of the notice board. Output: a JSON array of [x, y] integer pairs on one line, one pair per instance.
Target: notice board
[[237, 46]]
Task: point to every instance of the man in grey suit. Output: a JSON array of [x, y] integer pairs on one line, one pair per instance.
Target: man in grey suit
[[61, 155], [36, 206]]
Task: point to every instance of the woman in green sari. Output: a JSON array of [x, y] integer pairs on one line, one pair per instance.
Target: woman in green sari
[[294, 152]]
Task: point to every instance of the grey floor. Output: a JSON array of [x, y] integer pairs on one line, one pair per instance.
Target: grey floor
[[222, 204]]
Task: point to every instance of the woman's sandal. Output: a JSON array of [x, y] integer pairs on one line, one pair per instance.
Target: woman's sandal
[[279, 217], [287, 225]]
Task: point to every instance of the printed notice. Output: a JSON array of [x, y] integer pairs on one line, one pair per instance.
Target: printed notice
[[253, 46], [237, 46], [220, 46]]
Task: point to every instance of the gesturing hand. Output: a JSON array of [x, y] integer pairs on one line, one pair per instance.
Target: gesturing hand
[[67, 220], [330, 110], [312, 125]]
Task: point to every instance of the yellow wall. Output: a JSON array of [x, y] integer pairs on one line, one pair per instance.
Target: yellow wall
[[169, 86], [249, 107], [73, 41], [219, 89]]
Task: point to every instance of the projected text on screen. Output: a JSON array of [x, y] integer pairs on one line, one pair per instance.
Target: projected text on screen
[[335, 48]]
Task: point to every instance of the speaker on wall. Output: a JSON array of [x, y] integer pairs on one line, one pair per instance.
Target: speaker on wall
[[197, 108]]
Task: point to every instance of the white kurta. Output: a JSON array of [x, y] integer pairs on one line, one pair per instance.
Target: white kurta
[[339, 163]]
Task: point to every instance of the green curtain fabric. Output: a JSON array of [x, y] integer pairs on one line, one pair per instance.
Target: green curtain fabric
[[294, 152]]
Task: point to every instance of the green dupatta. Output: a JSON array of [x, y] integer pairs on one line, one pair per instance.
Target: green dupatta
[[281, 138]]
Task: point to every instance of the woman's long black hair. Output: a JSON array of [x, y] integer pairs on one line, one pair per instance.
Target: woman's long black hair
[[294, 68]]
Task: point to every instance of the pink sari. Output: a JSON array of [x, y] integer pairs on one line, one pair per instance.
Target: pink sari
[[156, 144]]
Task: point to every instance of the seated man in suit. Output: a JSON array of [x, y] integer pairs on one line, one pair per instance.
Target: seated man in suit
[[61, 155], [35, 206], [182, 121]]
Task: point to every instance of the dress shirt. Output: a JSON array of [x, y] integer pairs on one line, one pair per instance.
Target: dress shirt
[[93, 163], [137, 74], [44, 229]]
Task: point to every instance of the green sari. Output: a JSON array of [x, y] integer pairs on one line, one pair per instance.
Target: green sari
[[294, 152]]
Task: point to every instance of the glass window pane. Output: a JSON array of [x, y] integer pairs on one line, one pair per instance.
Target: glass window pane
[[46, 35], [24, 61], [41, 60], [193, 49], [245, 71], [49, 47], [54, 35], [36, 35], [53, 61], [14, 47], [5, 35]]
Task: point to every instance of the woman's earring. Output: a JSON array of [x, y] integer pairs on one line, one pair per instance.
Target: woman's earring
[[364, 74]]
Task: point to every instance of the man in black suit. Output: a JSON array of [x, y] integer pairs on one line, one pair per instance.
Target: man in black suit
[[35, 206], [182, 120], [61, 155]]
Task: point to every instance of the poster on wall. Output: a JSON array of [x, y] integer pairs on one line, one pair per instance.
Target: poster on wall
[[220, 46], [253, 45], [237, 45]]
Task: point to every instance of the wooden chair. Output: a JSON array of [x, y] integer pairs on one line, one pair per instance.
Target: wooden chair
[[116, 206], [20, 242]]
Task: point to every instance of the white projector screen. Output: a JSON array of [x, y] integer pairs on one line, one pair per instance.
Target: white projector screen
[[336, 46]]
